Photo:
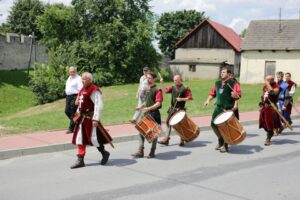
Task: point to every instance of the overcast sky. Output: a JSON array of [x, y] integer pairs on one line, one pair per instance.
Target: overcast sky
[[233, 13]]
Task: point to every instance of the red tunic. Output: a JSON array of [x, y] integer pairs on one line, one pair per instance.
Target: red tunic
[[86, 106], [268, 118]]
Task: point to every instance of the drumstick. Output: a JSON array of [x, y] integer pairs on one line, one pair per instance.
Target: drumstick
[[159, 75], [233, 90]]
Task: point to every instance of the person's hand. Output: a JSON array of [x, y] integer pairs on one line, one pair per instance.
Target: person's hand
[[283, 107], [95, 123], [234, 95], [206, 103], [161, 80], [178, 99], [145, 109], [234, 108], [137, 96]]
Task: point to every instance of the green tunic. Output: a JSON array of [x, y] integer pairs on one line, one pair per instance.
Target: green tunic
[[180, 93], [224, 100], [150, 97]]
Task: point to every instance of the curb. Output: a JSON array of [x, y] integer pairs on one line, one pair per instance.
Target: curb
[[6, 154]]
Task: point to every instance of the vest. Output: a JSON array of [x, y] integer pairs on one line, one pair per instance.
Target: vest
[[180, 93], [224, 99], [151, 96], [85, 102]]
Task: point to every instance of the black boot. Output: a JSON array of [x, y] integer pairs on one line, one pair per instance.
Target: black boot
[[105, 156], [139, 153], [151, 154], [79, 163], [220, 144], [224, 148]]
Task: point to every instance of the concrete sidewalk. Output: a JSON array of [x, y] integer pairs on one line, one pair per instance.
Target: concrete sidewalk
[[51, 141]]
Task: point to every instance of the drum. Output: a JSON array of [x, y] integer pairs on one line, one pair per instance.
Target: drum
[[184, 126], [230, 128], [148, 128]]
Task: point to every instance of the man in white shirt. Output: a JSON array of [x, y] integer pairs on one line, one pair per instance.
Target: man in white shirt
[[73, 86], [140, 94]]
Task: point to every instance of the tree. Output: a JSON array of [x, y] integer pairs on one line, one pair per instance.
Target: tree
[[23, 15], [110, 38], [243, 33], [172, 26], [57, 25]]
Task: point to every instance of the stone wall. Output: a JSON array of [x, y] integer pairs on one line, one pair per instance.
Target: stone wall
[[15, 52]]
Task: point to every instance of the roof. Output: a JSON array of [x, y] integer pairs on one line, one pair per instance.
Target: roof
[[267, 35], [227, 33]]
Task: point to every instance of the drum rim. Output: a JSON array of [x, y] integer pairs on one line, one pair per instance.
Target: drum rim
[[227, 111], [175, 115]]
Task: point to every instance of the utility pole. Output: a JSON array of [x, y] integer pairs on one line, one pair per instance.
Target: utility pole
[[30, 52]]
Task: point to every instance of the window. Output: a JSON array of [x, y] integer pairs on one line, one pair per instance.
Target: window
[[192, 68], [270, 68]]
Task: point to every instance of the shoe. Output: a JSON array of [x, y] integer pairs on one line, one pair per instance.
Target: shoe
[[132, 121], [79, 162], [275, 132], [181, 143], [105, 155], [151, 154], [69, 131], [218, 147], [139, 153], [268, 142], [224, 148], [165, 141]]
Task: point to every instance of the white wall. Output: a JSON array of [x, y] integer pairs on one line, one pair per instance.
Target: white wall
[[253, 64], [203, 71]]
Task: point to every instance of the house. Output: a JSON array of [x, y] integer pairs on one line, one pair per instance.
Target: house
[[203, 51], [270, 46]]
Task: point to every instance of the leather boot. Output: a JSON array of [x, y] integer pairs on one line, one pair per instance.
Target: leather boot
[[268, 142], [181, 142], [224, 148], [165, 141], [151, 154], [79, 162], [220, 144], [139, 153], [105, 156]]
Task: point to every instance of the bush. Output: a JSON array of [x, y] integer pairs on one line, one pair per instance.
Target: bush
[[48, 83]]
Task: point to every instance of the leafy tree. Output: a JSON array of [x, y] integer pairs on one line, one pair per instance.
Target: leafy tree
[[57, 25], [23, 15], [243, 33], [172, 26]]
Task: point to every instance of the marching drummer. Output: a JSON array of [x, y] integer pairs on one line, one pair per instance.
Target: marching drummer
[[226, 91], [179, 95], [153, 102]]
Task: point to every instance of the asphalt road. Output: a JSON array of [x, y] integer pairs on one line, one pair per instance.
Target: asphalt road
[[195, 171]]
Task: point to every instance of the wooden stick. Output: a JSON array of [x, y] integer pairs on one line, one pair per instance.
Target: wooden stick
[[233, 90], [280, 115]]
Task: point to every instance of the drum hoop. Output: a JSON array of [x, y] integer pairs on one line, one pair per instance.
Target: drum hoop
[[175, 115], [232, 114]]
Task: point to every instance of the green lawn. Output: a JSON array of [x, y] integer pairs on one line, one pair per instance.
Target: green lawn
[[19, 115]]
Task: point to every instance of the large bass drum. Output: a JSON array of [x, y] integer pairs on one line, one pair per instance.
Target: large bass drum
[[230, 128], [184, 126]]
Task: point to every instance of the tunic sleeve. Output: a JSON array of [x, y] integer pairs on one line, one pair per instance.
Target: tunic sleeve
[[212, 91], [96, 97]]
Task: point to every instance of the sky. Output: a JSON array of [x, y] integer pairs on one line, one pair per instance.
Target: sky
[[235, 14]]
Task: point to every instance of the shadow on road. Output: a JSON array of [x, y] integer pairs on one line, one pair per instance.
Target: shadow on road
[[171, 155], [250, 135], [245, 149], [114, 162], [290, 133], [196, 144], [284, 141]]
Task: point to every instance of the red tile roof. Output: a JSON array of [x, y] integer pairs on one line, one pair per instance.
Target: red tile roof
[[227, 33]]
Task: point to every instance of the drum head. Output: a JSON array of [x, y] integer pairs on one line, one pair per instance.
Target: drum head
[[177, 117], [223, 117]]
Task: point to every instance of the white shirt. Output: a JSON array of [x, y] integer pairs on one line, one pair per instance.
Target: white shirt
[[73, 85], [143, 84]]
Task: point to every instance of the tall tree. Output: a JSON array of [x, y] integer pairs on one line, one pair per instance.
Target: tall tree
[[172, 26], [23, 15]]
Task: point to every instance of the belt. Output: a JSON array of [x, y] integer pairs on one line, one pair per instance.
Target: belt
[[71, 95]]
